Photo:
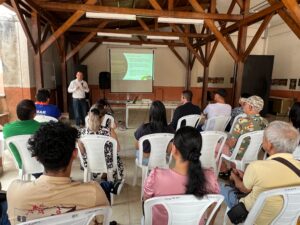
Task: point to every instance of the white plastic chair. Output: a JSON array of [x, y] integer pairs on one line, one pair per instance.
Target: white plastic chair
[[242, 115], [108, 119], [29, 164], [183, 209], [210, 140], [217, 123], [190, 120], [96, 163], [159, 143], [251, 153], [296, 153], [81, 217], [44, 118], [290, 211]]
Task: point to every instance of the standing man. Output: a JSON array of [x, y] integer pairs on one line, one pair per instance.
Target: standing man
[[187, 108], [78, 88]]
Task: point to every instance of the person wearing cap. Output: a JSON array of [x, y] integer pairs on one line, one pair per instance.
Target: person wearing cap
[[252, 122], [239, 110]]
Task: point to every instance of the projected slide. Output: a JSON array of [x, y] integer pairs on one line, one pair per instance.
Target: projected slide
[[139, 66], [131, 70]]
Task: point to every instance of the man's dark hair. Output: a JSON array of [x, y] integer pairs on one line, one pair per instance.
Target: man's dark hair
[[42, 95], [188, 95], [53, 145], [26, 109]]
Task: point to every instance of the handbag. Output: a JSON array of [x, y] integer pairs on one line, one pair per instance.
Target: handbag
[[238, 213]]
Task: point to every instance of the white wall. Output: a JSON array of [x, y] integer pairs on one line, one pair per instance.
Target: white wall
[[285, 45]]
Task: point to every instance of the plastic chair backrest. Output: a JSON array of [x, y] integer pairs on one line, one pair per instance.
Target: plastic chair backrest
[[251, 153], [296, 153], [290, 211], [183, 209], [159, 143], [94, 147], [81, 217], [190, 120], [44, 118], [217, 123], [242, 115], [108, 120], [210, 140], [29, 164]]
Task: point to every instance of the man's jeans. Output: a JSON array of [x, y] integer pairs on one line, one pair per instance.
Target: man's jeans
[[4, 217], [229, 195], [80, 109]]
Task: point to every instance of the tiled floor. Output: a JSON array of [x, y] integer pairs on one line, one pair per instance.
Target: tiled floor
[[127, 208]]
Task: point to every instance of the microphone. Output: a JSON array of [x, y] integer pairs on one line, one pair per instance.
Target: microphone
[[82, 83]]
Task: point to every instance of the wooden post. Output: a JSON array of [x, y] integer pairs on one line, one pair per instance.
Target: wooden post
[[64, 73], [239, 64], [36, 35], [188, 70]]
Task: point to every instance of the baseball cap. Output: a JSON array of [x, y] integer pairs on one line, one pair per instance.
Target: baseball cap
[[256, 102]]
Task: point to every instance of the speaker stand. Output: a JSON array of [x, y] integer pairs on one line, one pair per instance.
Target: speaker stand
[[106, 102]]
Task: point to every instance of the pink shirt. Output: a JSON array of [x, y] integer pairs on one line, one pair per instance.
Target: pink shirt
[[162, 182]]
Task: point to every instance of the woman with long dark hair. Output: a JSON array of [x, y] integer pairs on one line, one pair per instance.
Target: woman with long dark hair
[[157, 124], [187, 176]]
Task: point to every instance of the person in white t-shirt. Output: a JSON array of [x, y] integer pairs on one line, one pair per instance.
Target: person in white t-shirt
[[219, 108], [78, 88]]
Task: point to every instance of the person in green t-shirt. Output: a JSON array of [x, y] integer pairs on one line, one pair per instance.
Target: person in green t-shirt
[[26, 124]]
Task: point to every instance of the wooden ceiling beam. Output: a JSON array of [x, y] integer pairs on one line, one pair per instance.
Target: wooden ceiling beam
[[143, 24], [65, 7], [240, 3], [85, 41], [170, 5], [184, 39], [135, 42], [222, 25], [248, 20], [46, 31], [256, 37], [24, 24], [137, 32], [72, 19], [177, 55], [288, 20], [210, 24], [293, 8]]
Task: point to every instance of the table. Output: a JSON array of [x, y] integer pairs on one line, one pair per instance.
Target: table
[[146, 105]]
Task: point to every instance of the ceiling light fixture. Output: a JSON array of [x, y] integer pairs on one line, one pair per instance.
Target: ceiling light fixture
[[154, 46], [114, 35], [179, 20], [114, 43], [113, 16], [163, 37]]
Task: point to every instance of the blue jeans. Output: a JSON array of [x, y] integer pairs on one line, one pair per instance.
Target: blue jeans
[[145, 160], [229, 195], [4, 217], [80, 109]]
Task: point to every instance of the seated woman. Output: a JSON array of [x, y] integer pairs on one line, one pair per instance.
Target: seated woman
[[157, 124], [94, 127], [187, 177]]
